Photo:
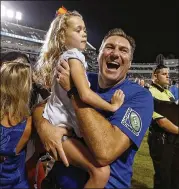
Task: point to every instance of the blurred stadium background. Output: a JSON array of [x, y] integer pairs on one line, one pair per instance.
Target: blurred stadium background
[[15, 37]]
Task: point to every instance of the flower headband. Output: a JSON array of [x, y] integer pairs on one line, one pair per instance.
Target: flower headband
[[61, 10]]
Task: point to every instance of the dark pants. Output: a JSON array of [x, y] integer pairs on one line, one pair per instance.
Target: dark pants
[[61, 177], [165, 157], [175, 165]]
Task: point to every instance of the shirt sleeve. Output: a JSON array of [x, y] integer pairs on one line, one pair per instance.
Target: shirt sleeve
[[74, 54], [134, 117], [157, 116]]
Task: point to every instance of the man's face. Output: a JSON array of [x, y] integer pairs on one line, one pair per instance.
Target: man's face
[[114, 61], [142, 82], [162, 78]]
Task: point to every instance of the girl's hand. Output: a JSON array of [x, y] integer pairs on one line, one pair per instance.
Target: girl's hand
[[117, 100]]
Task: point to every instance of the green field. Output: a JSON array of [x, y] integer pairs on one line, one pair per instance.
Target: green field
[[143, 168]]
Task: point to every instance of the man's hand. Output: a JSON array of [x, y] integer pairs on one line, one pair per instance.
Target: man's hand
[[63, 75], [50, 135]]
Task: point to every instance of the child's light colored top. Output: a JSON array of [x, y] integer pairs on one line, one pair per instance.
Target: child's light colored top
[[58, 109]]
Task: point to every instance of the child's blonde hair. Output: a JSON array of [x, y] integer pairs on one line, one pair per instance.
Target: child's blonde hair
[[53, 47], [16, 84]]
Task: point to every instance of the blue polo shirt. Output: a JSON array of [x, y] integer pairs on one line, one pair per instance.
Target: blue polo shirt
[[133, 118]]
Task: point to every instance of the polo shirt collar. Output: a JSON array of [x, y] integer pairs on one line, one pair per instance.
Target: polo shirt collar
[[161, 89], [111, 88]]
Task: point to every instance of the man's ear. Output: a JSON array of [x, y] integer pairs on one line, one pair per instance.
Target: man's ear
[[155, 75], [130, 64]]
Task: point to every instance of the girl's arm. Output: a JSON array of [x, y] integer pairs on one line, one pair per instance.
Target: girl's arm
[[86, 94], [25, 136]]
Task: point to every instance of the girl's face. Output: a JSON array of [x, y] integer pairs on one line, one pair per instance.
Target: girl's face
[[75, 35]]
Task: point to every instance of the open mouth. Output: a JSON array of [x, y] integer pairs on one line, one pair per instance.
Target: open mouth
[[113, 65]]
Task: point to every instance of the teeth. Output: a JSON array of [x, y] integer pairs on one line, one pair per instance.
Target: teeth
[[113, 63]]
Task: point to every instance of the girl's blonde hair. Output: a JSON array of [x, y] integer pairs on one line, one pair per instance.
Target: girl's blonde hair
[[16, 84], [53, 47]]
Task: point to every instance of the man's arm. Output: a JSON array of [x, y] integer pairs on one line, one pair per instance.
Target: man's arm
[[49, 134], [167, 109], [106, 142], [167, 125]]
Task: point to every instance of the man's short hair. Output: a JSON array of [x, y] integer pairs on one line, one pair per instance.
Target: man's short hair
[[121, 33], [158, 68], [13, 55]]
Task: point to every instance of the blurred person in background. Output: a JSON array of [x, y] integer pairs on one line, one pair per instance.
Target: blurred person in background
[[16, 123], [163, 137], [175, 90], [137, 80], [147, 85], [38, 93], [142, 82]]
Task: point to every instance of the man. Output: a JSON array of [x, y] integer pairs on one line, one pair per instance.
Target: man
[[113, 138], [162, 138], [142, 82]]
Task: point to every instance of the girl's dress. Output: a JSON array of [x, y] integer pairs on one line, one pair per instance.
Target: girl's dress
[[59, 109], [12, 166]]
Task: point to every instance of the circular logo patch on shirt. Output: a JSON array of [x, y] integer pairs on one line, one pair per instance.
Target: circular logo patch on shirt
[[135, 121], [132, 121]]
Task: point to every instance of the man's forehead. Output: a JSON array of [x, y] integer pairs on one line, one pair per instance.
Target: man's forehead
[[164, 70], [118, 41]]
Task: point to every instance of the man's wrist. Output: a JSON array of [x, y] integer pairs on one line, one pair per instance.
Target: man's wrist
[[71, 92]]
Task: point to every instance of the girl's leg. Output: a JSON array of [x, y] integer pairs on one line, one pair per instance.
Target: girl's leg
[[79, 155]]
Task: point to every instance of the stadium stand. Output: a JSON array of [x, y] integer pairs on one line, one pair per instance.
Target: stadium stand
[[29, 40]]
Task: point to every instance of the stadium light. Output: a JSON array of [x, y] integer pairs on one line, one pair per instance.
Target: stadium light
[[18, 15], [3, 11], [10, 13]]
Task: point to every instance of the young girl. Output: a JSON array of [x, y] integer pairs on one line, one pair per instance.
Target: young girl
[[66, 39], [15, 127]]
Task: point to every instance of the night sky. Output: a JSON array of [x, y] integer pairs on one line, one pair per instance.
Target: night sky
[[153, 24]]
